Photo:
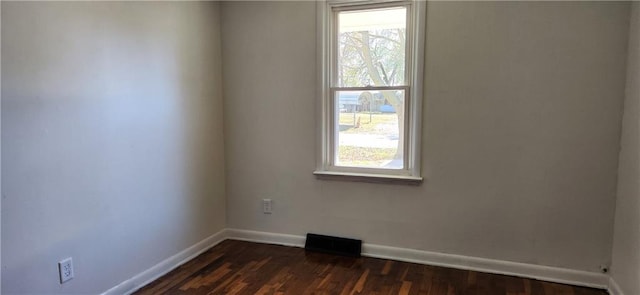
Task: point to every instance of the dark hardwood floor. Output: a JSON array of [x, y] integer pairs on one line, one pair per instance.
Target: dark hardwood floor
[[235, 267]]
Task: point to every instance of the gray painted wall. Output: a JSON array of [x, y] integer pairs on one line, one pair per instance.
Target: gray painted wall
[[521, 131], [112, 140], [626, 246]]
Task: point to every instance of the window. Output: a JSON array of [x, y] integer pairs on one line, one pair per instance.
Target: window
[[371, 88]]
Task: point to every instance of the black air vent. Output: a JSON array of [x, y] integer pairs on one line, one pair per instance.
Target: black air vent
[[333, 245]]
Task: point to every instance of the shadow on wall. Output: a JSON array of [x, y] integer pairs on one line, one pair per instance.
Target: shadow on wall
[[111, 113]]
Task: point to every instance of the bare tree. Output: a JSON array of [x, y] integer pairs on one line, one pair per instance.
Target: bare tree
[[376, 58]]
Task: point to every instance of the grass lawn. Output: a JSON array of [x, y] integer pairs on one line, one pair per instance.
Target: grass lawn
[[374, 124], [377, 123], [365, 156]]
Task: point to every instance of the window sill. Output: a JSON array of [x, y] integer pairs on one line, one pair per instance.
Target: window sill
[[365, 177]]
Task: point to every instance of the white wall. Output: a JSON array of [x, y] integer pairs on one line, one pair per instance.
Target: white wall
[[112, 139], [521, 130], [626, 246]]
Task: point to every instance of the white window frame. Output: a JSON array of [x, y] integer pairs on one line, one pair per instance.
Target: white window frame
[[326, 22]]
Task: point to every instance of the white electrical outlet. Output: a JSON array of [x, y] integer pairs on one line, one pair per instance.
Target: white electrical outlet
[[65, 267], [267, 206]]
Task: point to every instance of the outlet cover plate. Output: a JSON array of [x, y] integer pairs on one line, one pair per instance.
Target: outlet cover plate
[[65, 268], [267, 206]]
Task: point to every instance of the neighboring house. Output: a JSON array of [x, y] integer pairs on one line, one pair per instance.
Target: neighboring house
[[350, 101]]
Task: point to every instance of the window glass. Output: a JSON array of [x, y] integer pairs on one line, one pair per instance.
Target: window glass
[[371, 47], [369, 129]]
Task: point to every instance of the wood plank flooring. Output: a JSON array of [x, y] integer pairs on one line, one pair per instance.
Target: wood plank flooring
[[235, 267]]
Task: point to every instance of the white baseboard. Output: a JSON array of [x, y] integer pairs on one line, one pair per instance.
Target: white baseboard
[[140, 280], [533, 271], [614, 288], [265, 237], [546, 273]]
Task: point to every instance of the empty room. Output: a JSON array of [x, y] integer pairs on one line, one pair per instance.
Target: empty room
[[320, 147]]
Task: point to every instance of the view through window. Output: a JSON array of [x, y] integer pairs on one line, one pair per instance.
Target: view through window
[[370, 87]]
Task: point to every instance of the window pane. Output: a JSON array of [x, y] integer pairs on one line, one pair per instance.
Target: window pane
[[371, 47], [369, 129]]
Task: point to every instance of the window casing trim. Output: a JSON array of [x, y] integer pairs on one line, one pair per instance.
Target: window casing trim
[[328, 85]]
